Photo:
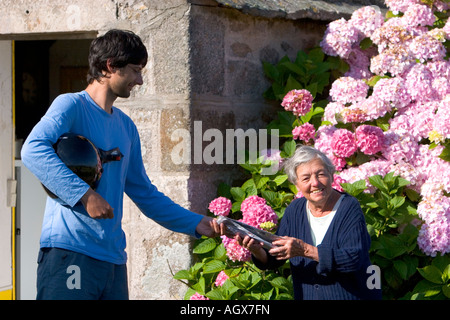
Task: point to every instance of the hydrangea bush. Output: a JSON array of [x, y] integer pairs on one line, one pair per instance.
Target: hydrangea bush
[[381, 83], [398, 77]]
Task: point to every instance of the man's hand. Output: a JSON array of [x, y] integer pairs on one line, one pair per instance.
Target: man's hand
[[209, 227], [96, 206]]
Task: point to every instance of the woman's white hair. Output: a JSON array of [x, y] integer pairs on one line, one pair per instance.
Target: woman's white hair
[[304, 154]]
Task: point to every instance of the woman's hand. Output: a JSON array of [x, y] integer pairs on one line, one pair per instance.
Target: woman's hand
[[255, 247], [288, 247]]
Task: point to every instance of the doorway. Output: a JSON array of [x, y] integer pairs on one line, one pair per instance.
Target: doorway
[[43, 70]]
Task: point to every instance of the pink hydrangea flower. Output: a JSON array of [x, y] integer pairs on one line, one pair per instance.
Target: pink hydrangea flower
[[359, 63], [220, 206], [337, 183], [367, 20], [259, 214], [221, 278], [419, 73], [419, 15], [348, 90], [255, 211], [395, 61], [251, 202], [369, 139], [234, 251], [198, 296], [419, 116], [392, 91], [425, 48], [391, 34], [343, 143], [332, 109], [446, 29], [400, 5], [298, 101], [338, 162], [354, 113], [434, 235], [304, 132], [434, 238], [339, 38], [415, 90], [272, 155], [441, 119]]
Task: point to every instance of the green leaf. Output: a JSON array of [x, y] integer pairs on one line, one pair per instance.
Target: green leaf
[[280, 179], [377, 182], [446, 274], [236, 206], [220, 252], [432, 274], [223, 190], [238, 194], [200, 286], [441, 262], [428, 288], [412, 262], [248, 184], [365, 43], [316, 55], [249, 167], [392, 278], [262, 182], [412, 195], [183, 274], [270, 196], [373, 80], [271, 71], [205, 246], [213, 266], [445, 155], [392, 247], [397, 202], [250, 187], [401, 268], [292, 84], [289, 148], [446, 290], [281, 283], [294, 68], [216, 294], [354, 188]]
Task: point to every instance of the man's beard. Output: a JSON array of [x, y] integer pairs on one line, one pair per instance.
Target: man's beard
[[123, 92]]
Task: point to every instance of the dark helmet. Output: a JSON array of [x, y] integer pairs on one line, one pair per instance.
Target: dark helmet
[[81, 156]]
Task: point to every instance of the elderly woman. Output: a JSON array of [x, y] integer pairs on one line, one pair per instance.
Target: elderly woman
[[324, 235]]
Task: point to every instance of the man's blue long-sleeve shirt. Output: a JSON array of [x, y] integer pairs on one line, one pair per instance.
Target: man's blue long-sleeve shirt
[[341, 273], [66, 223]]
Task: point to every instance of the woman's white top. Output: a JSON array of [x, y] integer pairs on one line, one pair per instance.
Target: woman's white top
[[319, 225]]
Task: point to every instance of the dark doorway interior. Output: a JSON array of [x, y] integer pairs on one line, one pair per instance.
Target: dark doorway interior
[[44, 69]]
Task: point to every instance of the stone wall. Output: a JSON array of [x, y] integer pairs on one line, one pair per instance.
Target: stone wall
[[227, 51], [205, 65]]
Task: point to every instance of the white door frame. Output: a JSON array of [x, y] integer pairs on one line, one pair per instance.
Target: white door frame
[[7, 182]]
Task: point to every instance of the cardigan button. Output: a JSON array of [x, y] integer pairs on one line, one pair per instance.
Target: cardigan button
[[316, 286]]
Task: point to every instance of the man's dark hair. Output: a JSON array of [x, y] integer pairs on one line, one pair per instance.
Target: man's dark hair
[[121, 47]]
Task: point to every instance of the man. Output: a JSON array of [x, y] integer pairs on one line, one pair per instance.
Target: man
[[82, 243]]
